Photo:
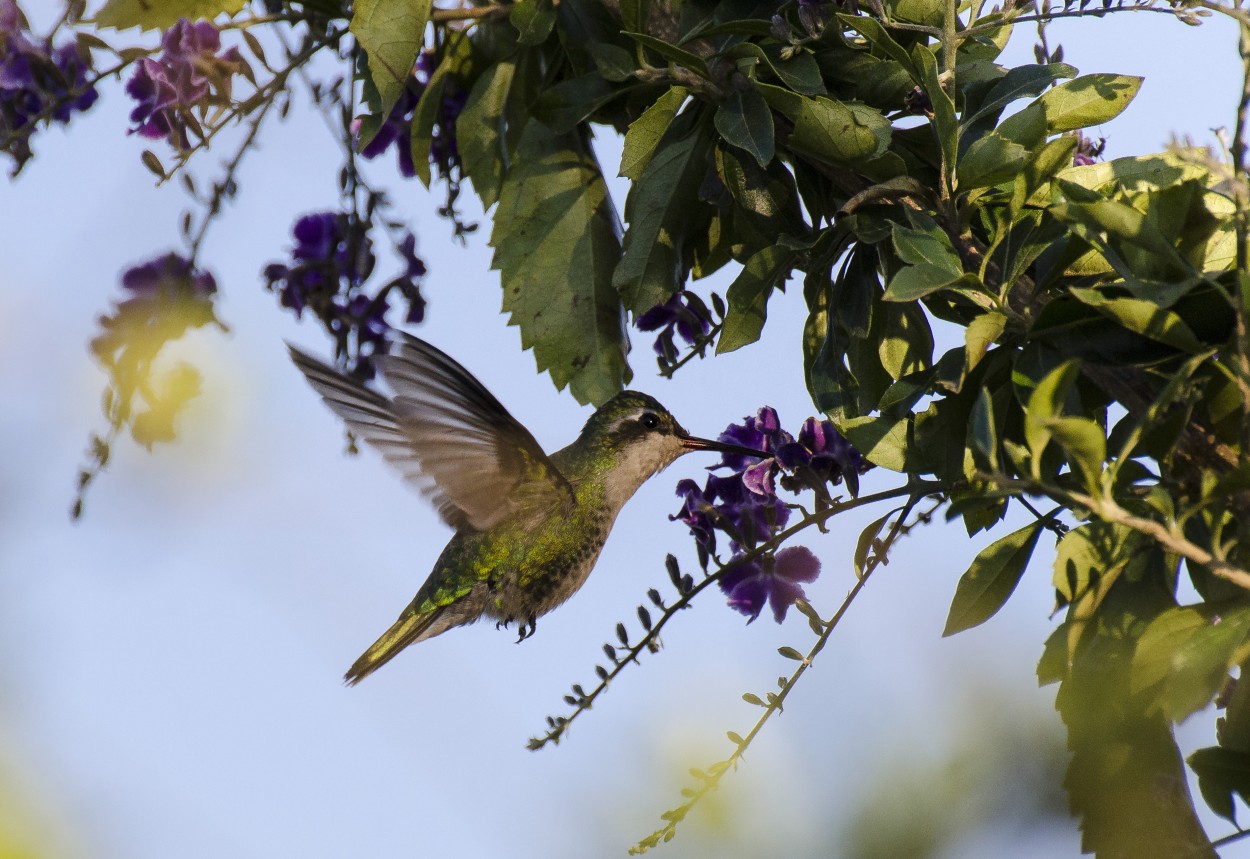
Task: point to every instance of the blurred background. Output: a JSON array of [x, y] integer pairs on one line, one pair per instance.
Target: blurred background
[[170, 665]]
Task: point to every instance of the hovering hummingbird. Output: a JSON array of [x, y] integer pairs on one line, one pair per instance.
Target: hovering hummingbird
[[529, 527]]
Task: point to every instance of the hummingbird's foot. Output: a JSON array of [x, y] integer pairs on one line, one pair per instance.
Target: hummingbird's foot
[[527, 628]]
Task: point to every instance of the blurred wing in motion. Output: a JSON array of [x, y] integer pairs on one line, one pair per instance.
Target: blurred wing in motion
[[446, 434]]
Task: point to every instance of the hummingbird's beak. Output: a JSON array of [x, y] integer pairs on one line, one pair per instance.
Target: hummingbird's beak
[[690, 442]]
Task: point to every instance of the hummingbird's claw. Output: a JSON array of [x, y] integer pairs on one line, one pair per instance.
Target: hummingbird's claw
[[527, 628]]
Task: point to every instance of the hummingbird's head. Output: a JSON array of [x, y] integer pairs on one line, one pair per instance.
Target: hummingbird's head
[[639, 437]]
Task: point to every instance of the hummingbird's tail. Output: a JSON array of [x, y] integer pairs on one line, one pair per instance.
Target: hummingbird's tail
[[410, 628]]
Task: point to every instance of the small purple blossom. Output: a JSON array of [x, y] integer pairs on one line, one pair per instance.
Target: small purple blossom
[[684, 316], [1087, 151], [38, 83], [777, 580], [397, 129], [190, 75]]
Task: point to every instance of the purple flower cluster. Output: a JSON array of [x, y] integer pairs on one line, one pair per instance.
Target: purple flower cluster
[[332, 259], [745, 506], [397, 129], [189, 75], [684, 315], [37, 82]]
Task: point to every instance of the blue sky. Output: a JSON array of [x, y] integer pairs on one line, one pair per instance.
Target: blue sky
[[169, 666]]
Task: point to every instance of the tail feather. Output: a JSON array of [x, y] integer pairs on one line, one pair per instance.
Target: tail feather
[[409, 629]]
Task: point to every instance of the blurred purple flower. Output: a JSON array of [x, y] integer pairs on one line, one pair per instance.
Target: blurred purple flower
[[37, 83], [397, 129], [776, 580], [330, 262], [171, 273], [189, 75]]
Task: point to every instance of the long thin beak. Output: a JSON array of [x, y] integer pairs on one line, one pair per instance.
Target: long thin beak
[[690, 442]]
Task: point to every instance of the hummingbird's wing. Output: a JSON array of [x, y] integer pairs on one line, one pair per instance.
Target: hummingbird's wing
[[446, 434]]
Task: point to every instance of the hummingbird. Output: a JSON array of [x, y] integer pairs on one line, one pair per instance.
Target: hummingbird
[[529, 526]]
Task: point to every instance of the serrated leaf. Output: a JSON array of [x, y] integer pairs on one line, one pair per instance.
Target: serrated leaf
[[748, 297], [646, 131], [146, 15], [744, 120], [391, 32], [991, 579], [556, 241]]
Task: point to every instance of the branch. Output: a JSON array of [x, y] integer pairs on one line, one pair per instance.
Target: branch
[[557, 726], [711, 779]]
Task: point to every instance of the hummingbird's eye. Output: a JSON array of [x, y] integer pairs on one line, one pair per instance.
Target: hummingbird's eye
[[649, 420]]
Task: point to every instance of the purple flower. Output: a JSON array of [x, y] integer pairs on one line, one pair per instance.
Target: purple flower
[[776, 580], [684, 315], [397, 129], [331, 261], [189, 76], [1087, 151], [37, 83], [171, 274]]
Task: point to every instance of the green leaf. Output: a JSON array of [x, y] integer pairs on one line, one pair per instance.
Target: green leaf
[[391, 32], [991, 579], [1088, 100], [1183, 657], [1020, 82], [672, 53], [1046, 402], [748, 297], [569, 103], [533, 20], [1085, 443], [800, 73], [1144, 317], [980, 335], [983, 430], [876, 33], [868, 540], [663, 210], [556, 240], [146, 15], [646, 131], [745, 121], [480, 131], [843, 133], [882, 440], [991, 161], [944, 122], [1222, 773], [931, 263]]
